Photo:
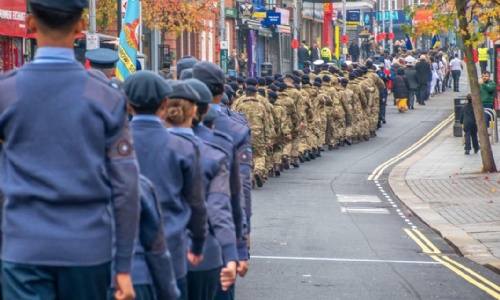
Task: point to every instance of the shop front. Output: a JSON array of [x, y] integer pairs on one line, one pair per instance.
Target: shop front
[[12, 33]]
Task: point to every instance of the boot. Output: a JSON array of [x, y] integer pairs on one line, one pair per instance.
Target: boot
[[348, 142], [259, 181], [270, 173], [253, 184], [330, 147], [312, 154], [281, 168], [286, 163], [277, 170], [301, 157], [295, 162], [366, 138], [318, 152], [341, 143], [372, 134], [306, 156]]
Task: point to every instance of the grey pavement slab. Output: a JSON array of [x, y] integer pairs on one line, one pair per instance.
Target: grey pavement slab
[[447, 190]]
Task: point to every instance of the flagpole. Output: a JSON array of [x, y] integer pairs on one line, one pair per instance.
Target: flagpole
[[140, 26]]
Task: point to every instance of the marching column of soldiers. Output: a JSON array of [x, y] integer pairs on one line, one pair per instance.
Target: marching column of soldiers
[[142, 189], [292, 117]]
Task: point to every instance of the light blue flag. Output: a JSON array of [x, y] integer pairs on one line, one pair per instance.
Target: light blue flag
[[129, 41]]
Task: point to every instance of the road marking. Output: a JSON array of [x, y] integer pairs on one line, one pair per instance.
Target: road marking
[[365, 210], [467, 274], [358, 199], [394, 205], [380, 169], [423, 262]]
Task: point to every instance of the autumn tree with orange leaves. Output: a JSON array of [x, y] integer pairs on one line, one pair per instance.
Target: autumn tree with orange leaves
[[446, 15], [105, 14], [176, 16]]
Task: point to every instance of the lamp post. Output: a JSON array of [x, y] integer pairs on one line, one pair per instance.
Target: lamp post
[[344, 27]]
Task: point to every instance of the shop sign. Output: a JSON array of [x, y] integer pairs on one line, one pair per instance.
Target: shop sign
[[230, 12], [13, 18], [272, 18], [246, 10]]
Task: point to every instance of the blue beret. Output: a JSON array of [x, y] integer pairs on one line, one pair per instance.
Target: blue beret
[[289, 76], [228, 89], [186, 74], [280, 79], [317, 83], [306, 77], [296, 73], [209, 73], [273, 95], [211, 115], [240, 80], [187, 62], [344, 80], [251, 89], [343, 65], [296, 79], [364, 68], [202, 90], [261, 81], [146, 89], [327, 78], [272, 87], [341, 74], [63, 5], [352, 76], [368, 64], [269, 80], [182, 90], [225, 99], [102, 58], [306, 71], [251, 81], [232, 78], [234, 86]]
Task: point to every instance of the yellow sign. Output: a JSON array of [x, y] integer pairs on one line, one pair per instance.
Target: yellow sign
[[259, 15], [327, 6]]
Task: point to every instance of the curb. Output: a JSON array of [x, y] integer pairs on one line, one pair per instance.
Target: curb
[[458, 238]]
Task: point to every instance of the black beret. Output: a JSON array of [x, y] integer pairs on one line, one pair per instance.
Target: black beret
[[306, 71], [364, 68], [324, 66], [277, 75], [251, 89], [203, 92], [63, 5], [352, 76], [289, 76], [358, 73], [208, 73], [232, 78], [343, 65], [317, 83], [186, 74], [326, 78], [272, 87], [228, 89], [306, 63], [240, 80], [282, 86], [261, 81], [273, 95], [146, 89], [102, 58], [344, 80], [269, 80], [187, 62], [211, 115], [234, 86], [341, 74], [182, 90], [225, 99], [297, 86], [280, 79], [368, 64], [306, 77], [296, 72], [318, 79], [251, 81], [331, 69], [296, 79]]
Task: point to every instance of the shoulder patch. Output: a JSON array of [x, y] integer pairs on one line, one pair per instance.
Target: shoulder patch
[[124, 148]]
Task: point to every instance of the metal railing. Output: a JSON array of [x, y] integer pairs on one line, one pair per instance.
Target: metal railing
[[493, 126]]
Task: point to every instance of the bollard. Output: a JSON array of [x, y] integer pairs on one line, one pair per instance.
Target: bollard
[[459, 104]]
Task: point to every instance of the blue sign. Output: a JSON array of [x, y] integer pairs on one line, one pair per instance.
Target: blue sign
[[398, 17], [351, 15], [272, 18]]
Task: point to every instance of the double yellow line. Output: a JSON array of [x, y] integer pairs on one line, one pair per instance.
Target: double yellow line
[[467, 274], [380, 169]]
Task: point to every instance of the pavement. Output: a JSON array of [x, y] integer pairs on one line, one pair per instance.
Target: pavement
[[447, 191]]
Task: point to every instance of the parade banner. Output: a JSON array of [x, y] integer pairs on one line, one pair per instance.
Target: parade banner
[[129, 41]]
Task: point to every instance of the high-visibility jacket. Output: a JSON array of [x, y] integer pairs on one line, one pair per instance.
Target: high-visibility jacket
[[326, 54], [483, 54], [308, 50]]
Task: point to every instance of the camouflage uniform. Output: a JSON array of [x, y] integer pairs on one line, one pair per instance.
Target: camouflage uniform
[[332, 113], [379, 83], [291, 112], [255, 113], [312, 115], [321, 99], [348, 114], [353, 131], [368, 88], [299, 123], [361, 101], [283, 126]]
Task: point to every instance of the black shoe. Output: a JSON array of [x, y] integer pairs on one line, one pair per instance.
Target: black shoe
[[270, 173], [330, 147], [467, 152], [312, 154], [384, 122], [301, 158], [286, 163], [477, 150], [318, 152], [348, 142], [306, 157], [411, 107], [277, 170], [372, 134], [295, 162], [259, 181]]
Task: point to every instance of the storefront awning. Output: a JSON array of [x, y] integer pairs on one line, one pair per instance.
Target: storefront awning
[[283, 29], [265, 32], [253, 25]]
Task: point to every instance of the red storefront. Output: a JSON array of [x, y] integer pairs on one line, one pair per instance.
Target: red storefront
[[12, 33]]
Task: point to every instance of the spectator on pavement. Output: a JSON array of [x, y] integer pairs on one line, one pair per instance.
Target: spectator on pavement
[[468, 121], [487, 88], [232, 62], [315, 53], [456, 67], [303, 55], [483, 56], [423, 69], [243, 64], [326, 53], [354, 51], [412, 76]]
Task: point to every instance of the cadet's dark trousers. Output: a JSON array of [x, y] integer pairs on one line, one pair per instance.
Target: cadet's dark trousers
[[203, 284], [471, 136], [182, 285], [227, 295], [411, 97], [142, 292], [35, 282], [456, 78]]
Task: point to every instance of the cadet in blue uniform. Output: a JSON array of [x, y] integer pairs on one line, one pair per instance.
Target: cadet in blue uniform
[[220, 246], [103, 60], [226, 143], [214, 79], [171, 162], [66, 161], [186, 62]]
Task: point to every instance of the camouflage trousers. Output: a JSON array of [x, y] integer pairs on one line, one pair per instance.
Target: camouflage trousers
[[269, 159], [374, 116], [259, 159], [278, 150], [340, 130]]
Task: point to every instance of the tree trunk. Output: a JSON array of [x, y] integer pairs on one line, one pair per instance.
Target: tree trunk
[[105, 23], [486, 152]]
